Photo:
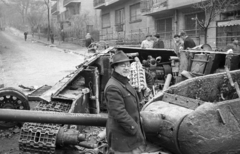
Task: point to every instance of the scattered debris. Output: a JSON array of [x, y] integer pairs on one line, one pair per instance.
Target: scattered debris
[[29, 88], [8, 133]]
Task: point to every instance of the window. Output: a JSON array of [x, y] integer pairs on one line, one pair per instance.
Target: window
[[135, 13], [119, 20], [164, 28], [106, 20], [191, 26], [225, 34], [119, 17]]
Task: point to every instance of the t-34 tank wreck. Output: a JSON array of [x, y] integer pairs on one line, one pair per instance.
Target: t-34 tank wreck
[[196, 116]]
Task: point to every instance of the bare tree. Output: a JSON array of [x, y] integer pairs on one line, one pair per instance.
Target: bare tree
[[36, 14], [80, 22], [21, 6], [30, 12], [212, 8]]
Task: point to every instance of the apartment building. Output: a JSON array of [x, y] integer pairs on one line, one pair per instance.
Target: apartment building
[[75, 17], [122, 22], [130, 20]]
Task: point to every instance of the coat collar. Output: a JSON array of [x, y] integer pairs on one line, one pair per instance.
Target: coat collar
[[122, 79], [124, 82]]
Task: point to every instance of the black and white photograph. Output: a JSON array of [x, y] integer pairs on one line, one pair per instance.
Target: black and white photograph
[[119, 76]]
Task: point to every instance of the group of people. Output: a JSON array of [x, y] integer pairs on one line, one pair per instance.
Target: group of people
[[182, 41], [152, 42]]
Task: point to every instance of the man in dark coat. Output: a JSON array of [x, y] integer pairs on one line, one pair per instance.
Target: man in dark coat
[[188, 42], [25, 35], [234, 46], [158, 43], [124, 129], [89, 40]]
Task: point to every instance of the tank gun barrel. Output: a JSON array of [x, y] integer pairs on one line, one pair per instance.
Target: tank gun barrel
[[53, 117]]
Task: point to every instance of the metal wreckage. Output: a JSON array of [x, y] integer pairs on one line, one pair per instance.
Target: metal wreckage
[[198, 114]]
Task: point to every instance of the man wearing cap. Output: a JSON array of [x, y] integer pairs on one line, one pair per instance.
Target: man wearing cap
[[158, 43], [188, 42], [124, 130]]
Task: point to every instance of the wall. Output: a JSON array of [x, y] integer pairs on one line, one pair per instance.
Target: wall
[[137, 31], [132, 31]]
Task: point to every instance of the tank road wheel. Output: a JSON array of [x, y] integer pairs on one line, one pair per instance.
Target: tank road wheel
[[11, 98]]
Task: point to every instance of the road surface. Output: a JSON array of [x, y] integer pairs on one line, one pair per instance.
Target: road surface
[[29, 64], [32, 64]]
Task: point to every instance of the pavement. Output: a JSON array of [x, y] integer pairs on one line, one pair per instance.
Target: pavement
[[60, 45], [30, 63], [65, 46]]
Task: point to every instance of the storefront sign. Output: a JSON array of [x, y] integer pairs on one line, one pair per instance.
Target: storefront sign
[[228, 23]]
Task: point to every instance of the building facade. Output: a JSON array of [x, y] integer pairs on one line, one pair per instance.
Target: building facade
[[75, 18], [129, 21], [122, 21]]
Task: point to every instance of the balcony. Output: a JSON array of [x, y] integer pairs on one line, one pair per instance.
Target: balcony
[[70, 3], [149, 7], [54, 10], [98, 4]]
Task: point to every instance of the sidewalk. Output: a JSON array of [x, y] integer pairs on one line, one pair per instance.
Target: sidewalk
[[65, 46]]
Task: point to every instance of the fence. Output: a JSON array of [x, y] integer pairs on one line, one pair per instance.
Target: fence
[[133, 37]]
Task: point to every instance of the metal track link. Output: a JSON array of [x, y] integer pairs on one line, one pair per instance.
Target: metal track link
[[41, 138]]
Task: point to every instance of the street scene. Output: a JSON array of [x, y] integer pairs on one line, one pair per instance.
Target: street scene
[[119, 76]]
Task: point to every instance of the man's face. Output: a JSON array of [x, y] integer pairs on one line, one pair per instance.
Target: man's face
[[148, 38], [123, 69], [235, 41], [183, 37], [177, 39]]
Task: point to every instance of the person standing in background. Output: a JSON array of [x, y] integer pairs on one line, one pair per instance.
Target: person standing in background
[[178, 44], [188, 42], [158, 43], [147, 43], [88, 40], [52, 37], [62, 35], [234, 46], [25, 35]]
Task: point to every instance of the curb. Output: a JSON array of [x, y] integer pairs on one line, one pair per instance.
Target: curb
[[55, 46]]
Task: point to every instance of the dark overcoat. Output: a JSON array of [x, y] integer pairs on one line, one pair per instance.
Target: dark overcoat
[[124, 130], [189, 43], [158, 44]]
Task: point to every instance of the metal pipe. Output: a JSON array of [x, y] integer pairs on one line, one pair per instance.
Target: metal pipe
[[167, 82], [53, 117]]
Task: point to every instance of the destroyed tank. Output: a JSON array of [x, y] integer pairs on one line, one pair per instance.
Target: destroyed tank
[[56, 123]]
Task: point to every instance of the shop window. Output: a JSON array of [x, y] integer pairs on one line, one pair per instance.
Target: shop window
[[164, 28], [191, 25], [135, 13], [225, 34], [106, 20]]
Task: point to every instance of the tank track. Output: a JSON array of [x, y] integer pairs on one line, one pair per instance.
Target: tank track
[[41, 138]]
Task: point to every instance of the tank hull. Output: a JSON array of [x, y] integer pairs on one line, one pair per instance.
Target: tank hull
[[197, 116]]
